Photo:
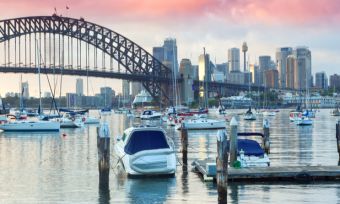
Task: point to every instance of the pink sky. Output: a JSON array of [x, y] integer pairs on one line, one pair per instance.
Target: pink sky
[[214, 24]]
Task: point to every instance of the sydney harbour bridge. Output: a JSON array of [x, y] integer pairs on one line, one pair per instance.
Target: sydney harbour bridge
[[68, 46]]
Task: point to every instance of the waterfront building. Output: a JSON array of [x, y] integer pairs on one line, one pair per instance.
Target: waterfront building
[[79, 87], [234, 59], [281, 61], [47, 94], [71, 100], [186, 92], [334, 81], [321, 80], [237, 102], [313, 101], [271, 78]]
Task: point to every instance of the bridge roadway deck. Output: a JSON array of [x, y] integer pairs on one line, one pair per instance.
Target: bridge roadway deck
[[270, 174]]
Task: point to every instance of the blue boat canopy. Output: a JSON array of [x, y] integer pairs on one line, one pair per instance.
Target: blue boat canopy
[[145, 140], [250, 147]]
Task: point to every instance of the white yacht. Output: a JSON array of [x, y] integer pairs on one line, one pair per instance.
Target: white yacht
[[268, 113], [90, 119], [146, 151], [150, 115], [202, 123], [69, 121], [30, 126]]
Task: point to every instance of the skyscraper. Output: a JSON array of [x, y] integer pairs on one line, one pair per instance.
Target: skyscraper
[[186, 70], [204, 68], [244, 50], [126, 91], [264, 64], [303, 68], [321, 80], [79, 87], [234, 59], [158, 53], [170, 53], [272, 78], [255, 75], [334, 81], [24, 90], [290, 67], [281, 61]]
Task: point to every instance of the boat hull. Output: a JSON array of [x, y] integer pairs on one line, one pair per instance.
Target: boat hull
[[28, 126]]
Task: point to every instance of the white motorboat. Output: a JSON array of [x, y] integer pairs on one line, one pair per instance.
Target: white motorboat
[[250, 154], [150, 115], [146, 151], [30, 126], [303, 120], [268, 113], [249, 116], [201, 123], [90, 120]]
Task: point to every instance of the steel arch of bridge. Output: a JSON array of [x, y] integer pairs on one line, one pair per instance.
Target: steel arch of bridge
[[137, 61]]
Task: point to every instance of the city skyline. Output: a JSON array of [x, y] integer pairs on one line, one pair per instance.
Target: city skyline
[[215, 25]]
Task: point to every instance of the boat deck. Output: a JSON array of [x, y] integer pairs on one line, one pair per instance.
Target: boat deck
[[207, 168]]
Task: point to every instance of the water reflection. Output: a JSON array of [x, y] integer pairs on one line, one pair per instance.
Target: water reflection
[[152, 190]]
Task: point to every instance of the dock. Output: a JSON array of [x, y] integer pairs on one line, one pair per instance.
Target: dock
[[207, 168]]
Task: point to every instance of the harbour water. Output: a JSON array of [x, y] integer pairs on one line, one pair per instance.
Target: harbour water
[[52, 168]]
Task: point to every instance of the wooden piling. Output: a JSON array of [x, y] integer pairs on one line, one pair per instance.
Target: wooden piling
[[233, 141], [266, 133], [222, 166], [337, 135], [184, 141], [103, 145]]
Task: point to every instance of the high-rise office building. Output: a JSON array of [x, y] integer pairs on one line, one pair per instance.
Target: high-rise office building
[[136, 88], [271, 78], [107, 94], [24, 90], [158, 53], [126, 91], [321, 80], [281, 61], [170, 53], [204, 68], [334, 81], [79, 87], [290, 70], [303, 68], [255, 74], [195, 72], [265, 63], [234, 59], [187, 94]]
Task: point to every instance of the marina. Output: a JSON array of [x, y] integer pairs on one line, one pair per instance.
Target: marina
[[71, 156]]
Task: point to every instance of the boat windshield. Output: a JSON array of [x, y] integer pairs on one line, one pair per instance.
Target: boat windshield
[[145, 140]]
